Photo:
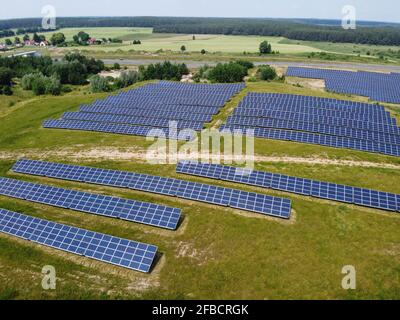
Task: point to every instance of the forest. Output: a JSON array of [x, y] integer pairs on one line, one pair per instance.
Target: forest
[[299, 29]]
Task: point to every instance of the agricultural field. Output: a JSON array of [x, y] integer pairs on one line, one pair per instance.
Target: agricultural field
[[217, 253]]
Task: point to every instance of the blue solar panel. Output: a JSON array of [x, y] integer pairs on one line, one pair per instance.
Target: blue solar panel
[[112, 207], [139, 111], [376, 86], [318, 189], [178, 188], [121, 252]]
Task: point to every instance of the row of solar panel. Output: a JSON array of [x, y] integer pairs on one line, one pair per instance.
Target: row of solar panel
[[112, 207], [116, 128], [315, 128], [246, 103], [325, 190], [320, 102], [132, 120], [238, 199], [315, 118], [312, 138], [157, 107], [162, 113], [121, 252], [205, 101], [378, 86], [320, 112]]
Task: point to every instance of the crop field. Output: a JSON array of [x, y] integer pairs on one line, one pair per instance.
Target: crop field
[[216, 253]]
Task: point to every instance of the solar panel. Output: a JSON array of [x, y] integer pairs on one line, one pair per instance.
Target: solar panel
[[318, 189], [112, 207], [377, 86], [139, 111], [121, 252], [167, 186]]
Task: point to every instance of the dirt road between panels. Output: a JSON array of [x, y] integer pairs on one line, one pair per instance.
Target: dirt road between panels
[[137, 154]]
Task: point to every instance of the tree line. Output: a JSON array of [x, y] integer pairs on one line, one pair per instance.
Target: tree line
[[378, 34]]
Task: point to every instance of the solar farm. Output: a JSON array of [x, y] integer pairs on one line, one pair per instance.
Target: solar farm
[[213, 225], [384, 87]]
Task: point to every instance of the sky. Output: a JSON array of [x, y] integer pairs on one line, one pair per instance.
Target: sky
[[373, 10]]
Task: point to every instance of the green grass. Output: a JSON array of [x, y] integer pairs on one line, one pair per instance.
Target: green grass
[[217, 253]]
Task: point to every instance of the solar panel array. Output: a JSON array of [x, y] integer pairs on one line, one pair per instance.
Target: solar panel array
[[121, 252], [238, 199], [318, 189], [377, 86], [138, 111], [323, 121], [112, 207]]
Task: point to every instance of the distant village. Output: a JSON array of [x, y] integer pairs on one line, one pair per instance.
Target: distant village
[[57, 39]]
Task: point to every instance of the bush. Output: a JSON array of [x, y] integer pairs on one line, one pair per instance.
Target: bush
[[116, 66], [7, 91], [163, 71], [5, 76], [247, 64], [126, 79], [227, 73], [41, 84], [99, 84], [266, 73]]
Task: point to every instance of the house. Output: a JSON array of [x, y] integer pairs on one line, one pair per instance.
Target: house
[[30, 43], [92, 41], [44, 44]]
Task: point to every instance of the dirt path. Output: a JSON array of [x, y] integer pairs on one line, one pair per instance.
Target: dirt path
[[111, 153]]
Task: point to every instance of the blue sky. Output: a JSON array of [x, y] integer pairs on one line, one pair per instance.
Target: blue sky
[[382, 10]]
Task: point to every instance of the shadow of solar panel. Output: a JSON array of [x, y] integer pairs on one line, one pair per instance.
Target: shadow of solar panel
[[318, 189], [130, 210], [167, 186], [121, 252]]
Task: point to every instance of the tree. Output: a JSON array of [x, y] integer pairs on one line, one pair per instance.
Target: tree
[[266, 73], [82, 38], [116, 66], [57, 38], [8, 42], [247, 64], [183, 48], [99, 84], [5, 76], [265, 47], [17, 40], [203, 51], [26, 37], [194, 37], [36, 38], [227, 73]]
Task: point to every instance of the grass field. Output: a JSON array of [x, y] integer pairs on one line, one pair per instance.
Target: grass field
[[217, 252]]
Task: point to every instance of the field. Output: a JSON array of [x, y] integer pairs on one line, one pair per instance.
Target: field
[[173, 42], [217, 253]]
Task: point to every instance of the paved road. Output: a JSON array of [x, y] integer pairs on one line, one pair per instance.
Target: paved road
[[197, 64]]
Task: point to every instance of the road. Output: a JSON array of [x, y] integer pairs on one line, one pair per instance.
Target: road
[[197, 64]]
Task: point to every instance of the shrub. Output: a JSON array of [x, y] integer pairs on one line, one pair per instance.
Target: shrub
[[227, 73], [247, 64], [126, 79], [5, 76], [99, 84], [7, 91], [266, 73]]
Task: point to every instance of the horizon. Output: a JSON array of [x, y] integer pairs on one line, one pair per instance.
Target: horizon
[[205, 17], [366, 10]]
